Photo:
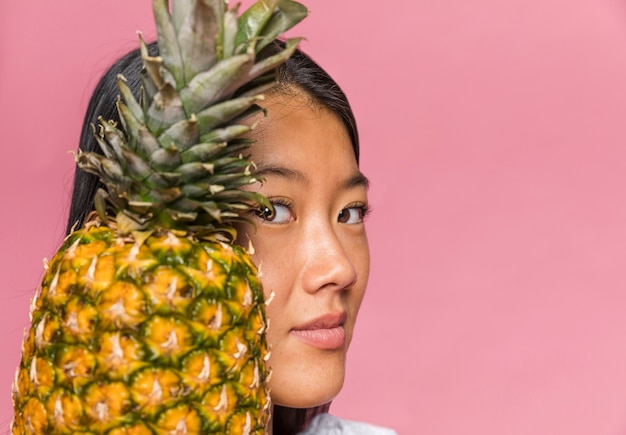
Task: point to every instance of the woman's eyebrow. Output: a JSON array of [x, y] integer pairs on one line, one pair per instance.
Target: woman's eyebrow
[[282, 172], [294, 175], [357, 180]]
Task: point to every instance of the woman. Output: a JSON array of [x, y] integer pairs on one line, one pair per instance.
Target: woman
[[311, 246]]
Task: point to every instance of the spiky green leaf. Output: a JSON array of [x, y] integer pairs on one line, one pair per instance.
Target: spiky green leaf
[[216, 84], [286, 15], [252, 22], [168, 42]]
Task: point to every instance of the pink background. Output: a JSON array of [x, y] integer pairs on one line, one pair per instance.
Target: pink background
[[494, 133]]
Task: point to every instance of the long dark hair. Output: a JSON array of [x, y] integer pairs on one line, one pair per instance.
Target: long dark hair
[[300, 71]]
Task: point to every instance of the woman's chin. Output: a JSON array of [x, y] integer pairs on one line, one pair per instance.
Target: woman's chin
[[305, 394]]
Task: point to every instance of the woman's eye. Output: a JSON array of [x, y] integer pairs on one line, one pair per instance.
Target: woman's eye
[[277, 214], [352, 215]]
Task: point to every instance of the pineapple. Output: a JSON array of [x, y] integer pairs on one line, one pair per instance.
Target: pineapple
[[149, 320]]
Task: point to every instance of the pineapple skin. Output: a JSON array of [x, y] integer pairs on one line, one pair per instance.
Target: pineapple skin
[[154, 334]]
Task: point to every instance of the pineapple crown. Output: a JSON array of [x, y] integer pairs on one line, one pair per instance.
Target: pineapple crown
[[177, 161]]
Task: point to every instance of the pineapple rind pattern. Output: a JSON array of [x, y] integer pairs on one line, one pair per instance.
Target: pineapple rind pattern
[[179, 355]]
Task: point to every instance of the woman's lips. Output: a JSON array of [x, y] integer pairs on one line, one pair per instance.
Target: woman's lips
[[325, 332]]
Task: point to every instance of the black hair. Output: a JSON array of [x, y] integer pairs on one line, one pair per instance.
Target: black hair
[[299, 72]]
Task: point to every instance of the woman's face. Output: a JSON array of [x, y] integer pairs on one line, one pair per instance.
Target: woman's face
[[312, 251]]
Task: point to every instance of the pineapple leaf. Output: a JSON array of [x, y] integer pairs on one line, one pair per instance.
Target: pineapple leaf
[[165, 159], [129, 99], [136, 167], [233, 148], [130, 124], [225, 134], [114, 137], [153, 68], [182, 135], [179, 144], [166, 109], [229, 35], [148, 88], [271, 62], [212, 209], [217, 83], [147, 142], [219, 9], [201, 152], [104, 146], [220, 113], [252, 21], [181, 10], [288, 14], [194, 171], [179, 216], [196, 34], [168, 43]]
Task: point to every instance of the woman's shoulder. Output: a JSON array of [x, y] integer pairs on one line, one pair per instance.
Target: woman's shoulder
[[327, 424]]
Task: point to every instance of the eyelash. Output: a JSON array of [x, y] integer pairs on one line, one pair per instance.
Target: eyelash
[[363, 209], [262, 213]]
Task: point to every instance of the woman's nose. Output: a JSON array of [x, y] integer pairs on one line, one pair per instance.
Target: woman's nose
[[327, 263]]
